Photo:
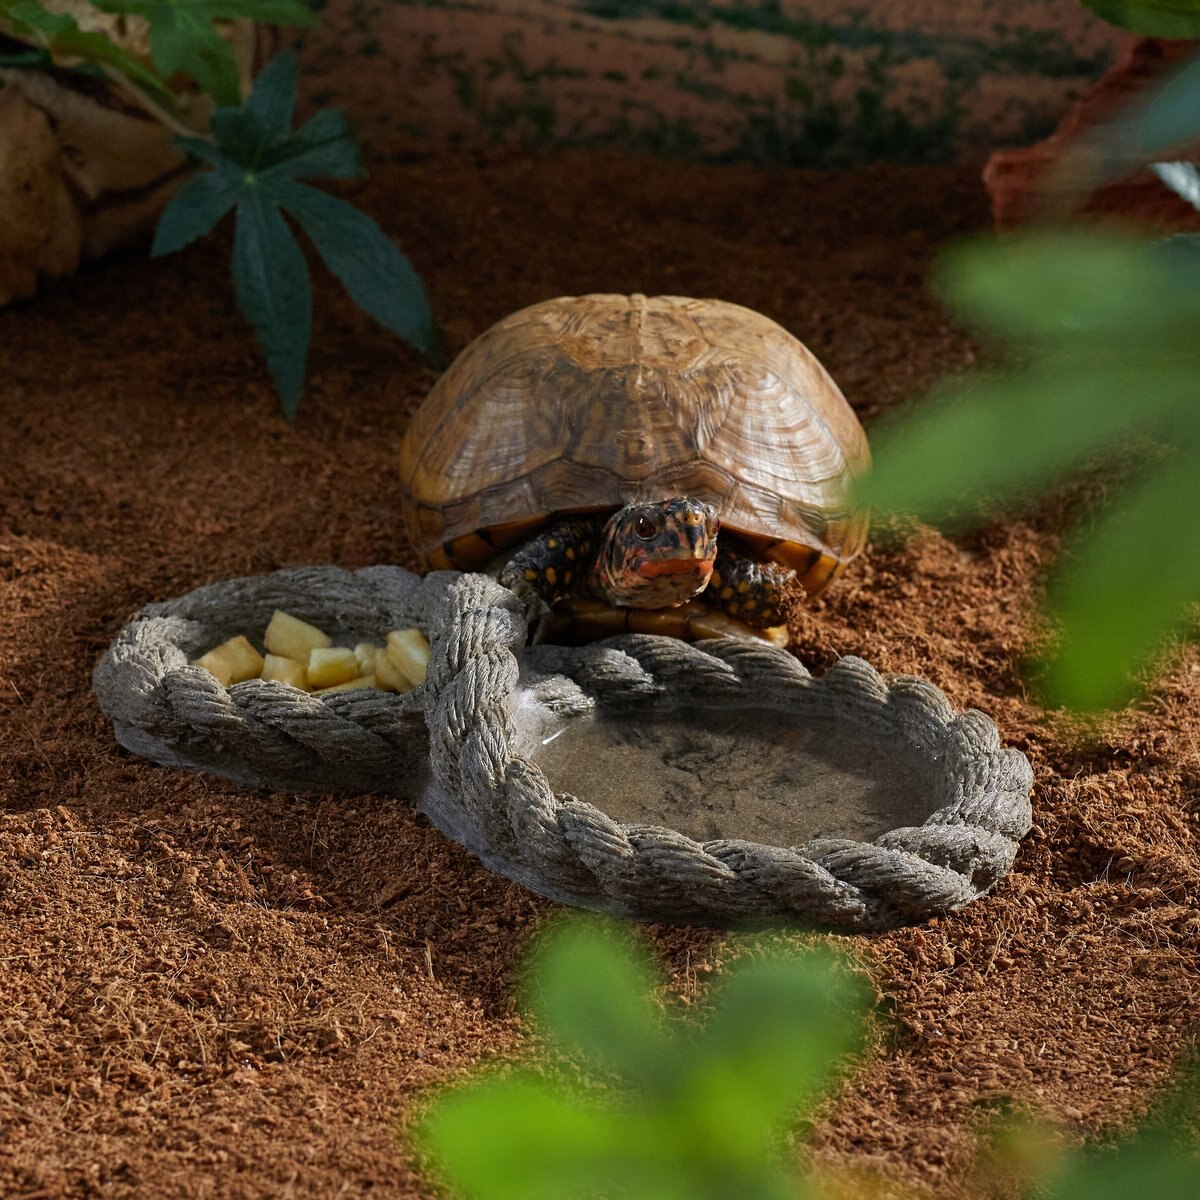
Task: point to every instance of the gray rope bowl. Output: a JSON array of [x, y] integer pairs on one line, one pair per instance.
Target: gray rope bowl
[[261, 733], [464, 744], [490, 701]]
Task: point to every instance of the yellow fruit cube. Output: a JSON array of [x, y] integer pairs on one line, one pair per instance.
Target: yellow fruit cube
[[408, 652], [233, 661], [329, 666], [285, 670], [289, 637], [365, 653], [353, 685], [387, 676]]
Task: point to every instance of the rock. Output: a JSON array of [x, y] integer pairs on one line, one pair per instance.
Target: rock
[[1014, 178], [84, 168]]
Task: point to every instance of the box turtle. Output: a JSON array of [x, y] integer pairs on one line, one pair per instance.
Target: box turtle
[[601, 441]]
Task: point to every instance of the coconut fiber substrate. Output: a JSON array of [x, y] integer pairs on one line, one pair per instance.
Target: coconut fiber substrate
[[211, 991]]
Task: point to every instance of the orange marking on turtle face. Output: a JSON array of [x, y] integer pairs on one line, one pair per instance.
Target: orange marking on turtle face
[[666, 566]]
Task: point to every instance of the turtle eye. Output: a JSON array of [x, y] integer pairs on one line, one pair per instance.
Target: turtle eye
[[645, 527]]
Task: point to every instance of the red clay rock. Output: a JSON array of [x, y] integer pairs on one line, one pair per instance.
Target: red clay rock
[[1014, 178]]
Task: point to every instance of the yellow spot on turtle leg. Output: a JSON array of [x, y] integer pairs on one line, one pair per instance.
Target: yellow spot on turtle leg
[[743, 587], [571, 553], [552, 543], [551, 576], [727, 593], [531, 575]]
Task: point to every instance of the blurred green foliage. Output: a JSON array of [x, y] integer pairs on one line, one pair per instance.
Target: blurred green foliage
[[627, 1100], [1157, 1162], [184, 39], [1160, 1158], [1102, 334], [1107, 329], [631, 1102]]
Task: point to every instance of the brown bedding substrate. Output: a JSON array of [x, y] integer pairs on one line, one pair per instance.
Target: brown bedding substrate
[[213, 992]]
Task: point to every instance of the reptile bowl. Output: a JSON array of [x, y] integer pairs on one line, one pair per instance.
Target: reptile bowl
[[641, 775], [720, 782], [263, 733]]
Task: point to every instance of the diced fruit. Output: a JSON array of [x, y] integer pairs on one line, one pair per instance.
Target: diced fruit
[[305, 657], [387, 676], [365, 653], [285, 670], [409, 653], [330, 666], [290, 637], [233, 661], [363, 681]]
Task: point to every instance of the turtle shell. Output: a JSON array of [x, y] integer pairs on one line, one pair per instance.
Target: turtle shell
[[586, 403]]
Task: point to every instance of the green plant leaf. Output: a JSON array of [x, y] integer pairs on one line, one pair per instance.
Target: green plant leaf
[[1169, 118], [324, 148], [380, 279], [1127, 585], [272, 100], [60, 34], [255, 164], [270, 279], [699, 1115], [256, 134], [1156, 18], [1109, 334], [1069, 285], [1181, 252], [184, 39], [35, 59], [779, 1028], [521, 1138], [1183, 178], [194, 210], [592, 994], [1008, 437], [31, 13]]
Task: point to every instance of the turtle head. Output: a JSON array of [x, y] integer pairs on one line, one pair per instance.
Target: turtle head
[[656, 555]]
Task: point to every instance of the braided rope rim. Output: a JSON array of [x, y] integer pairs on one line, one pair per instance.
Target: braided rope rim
[[499, 804], [487, 796], [260, 732]]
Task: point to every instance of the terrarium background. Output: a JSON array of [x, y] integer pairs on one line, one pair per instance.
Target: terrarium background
[[822, 82], [216, 991]]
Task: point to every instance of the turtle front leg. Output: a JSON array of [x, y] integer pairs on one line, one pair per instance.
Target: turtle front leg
[[752, 591], [551, 566]]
